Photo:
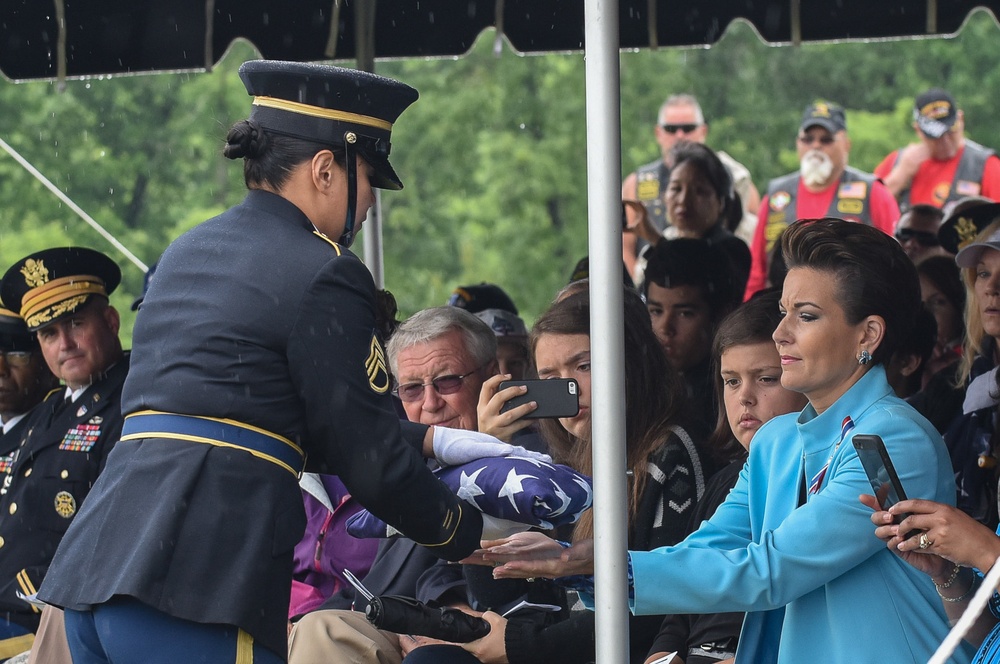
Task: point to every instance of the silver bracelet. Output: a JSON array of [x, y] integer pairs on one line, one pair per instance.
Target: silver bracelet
[[950, 581], [965, 595]]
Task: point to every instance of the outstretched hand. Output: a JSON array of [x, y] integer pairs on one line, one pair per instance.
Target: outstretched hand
[[532, 554]]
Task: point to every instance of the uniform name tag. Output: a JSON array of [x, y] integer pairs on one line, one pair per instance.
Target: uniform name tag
[[81, 438]]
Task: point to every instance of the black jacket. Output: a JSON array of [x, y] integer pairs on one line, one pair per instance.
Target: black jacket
[[63, 447], [256, 318]]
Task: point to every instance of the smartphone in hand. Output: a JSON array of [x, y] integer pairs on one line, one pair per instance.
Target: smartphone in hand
[[881, 473], [556, 397]]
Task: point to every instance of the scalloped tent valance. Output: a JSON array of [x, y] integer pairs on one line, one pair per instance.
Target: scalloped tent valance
[[79, 38]]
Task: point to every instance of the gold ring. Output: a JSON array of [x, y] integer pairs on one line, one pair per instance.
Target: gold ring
[[925, 541]]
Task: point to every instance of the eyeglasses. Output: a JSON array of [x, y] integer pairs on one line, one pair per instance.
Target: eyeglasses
[[442, 385], [809, 139], [923, 238], [685, 128], [16, 358]]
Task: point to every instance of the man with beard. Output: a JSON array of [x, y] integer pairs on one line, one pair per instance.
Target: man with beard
[[824, 186]]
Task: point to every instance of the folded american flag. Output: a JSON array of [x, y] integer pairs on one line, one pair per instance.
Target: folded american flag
[[519, 489]]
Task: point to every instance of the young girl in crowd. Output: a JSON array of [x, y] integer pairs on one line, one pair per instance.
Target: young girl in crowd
[[791, 544], [748, 384], [668, 471]]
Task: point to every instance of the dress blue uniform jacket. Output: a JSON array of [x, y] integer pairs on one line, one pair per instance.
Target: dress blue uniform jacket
[[256, 318], [61, 449], [817, 583]]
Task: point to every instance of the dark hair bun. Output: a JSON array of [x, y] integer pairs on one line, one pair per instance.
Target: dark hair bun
[[246, 139]]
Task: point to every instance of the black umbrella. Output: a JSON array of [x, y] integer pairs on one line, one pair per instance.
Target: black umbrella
[[125, 36]]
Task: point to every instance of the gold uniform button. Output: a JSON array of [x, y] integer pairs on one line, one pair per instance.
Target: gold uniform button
[[64, 474], [13, 507], [1, 542], [27, 473]]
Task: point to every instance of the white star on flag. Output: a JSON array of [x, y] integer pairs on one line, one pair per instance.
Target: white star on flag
[[467, 488], [512, 486]]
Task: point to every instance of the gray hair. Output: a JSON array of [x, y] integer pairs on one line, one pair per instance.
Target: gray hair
[[430, 324], [682, 100]]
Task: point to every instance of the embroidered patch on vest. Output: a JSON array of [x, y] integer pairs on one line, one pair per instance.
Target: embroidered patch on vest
[[378, 375], [65, 504], [648, 190], [852, 190], [850, 206], [81, 438], [967, 188], [779, 200]]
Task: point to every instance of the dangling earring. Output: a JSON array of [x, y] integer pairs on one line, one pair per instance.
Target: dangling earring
[[864, 358]]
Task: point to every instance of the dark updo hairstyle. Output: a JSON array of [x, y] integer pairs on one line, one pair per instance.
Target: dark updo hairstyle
[[753, 322], [268, 156], [653, 393], [874, 276], [708, 164]]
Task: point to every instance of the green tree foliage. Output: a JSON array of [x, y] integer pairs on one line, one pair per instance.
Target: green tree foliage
[[493, 155]]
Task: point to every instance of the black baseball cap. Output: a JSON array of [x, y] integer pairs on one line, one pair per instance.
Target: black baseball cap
[[935, 113], [824, 114]]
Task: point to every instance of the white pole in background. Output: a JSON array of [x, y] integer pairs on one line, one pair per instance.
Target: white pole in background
[[606, 328]]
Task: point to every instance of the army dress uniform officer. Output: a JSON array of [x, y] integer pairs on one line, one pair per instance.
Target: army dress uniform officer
[[62, 296], [254, 355], [25, 379]]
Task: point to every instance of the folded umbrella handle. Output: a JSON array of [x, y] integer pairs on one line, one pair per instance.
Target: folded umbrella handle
[[405, 615]]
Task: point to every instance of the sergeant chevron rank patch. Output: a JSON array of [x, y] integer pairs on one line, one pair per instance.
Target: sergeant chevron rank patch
[[378, 374]]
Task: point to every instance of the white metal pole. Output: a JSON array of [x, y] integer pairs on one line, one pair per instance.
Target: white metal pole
[[606, 328]]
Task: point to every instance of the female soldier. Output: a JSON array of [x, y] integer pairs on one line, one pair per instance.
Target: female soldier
[[255, 347]]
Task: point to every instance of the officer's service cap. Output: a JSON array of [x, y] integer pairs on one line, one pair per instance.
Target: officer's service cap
[[958, 232], [331, 106], [14, 333], [52, 284]]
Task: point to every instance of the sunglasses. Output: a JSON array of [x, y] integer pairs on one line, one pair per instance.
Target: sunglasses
[[686, 128], [16, 358], [809, 139], [442, 385], [923, 238]]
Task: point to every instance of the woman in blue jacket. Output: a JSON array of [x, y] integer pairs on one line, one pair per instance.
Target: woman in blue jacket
[[792, 545]]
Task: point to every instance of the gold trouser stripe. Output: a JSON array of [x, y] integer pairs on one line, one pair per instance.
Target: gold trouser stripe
[[244, 648], [147, 435], [320, 112], [15, 645]]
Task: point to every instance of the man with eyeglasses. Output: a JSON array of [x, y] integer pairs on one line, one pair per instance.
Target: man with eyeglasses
[[680, 118], [943, 165], [440, 358], [917, 232], [62, 297], [824, 186]]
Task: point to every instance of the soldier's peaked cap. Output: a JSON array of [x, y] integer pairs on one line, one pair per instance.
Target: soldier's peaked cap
[[331, 106], [51, 284]]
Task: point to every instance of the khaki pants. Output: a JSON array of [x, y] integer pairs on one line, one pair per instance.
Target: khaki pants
[[345, 637], [50, 641]]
